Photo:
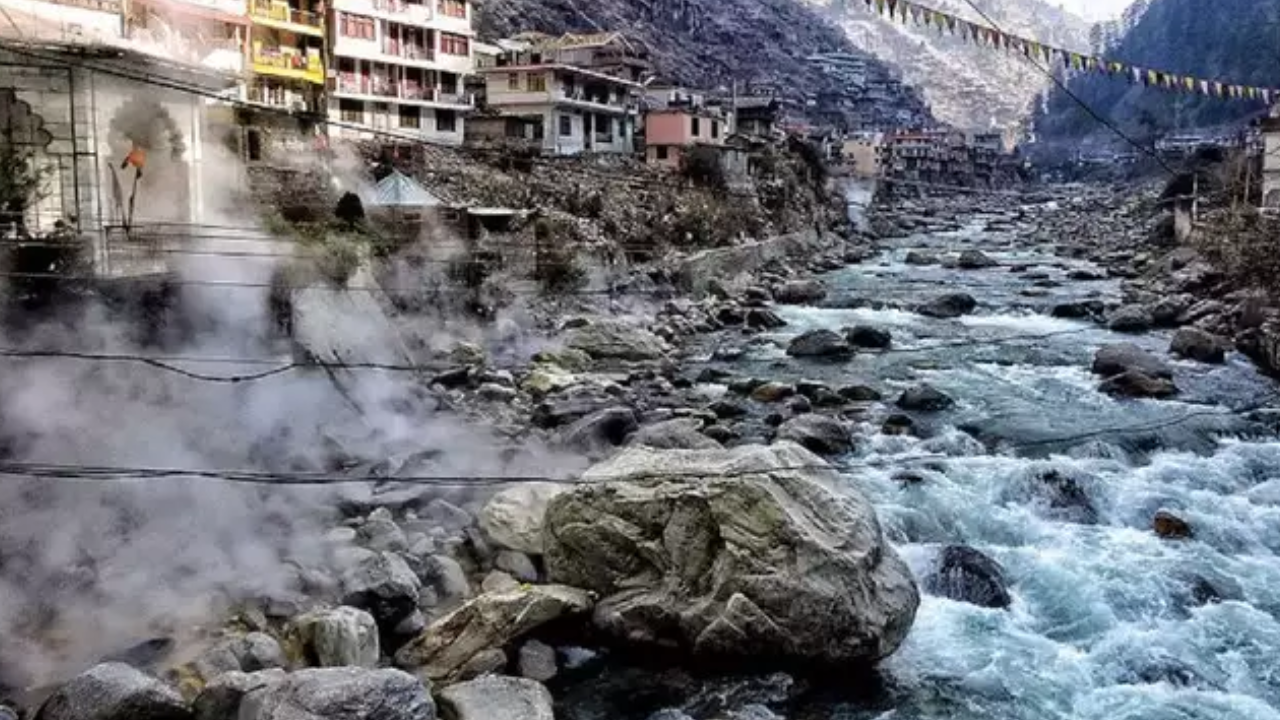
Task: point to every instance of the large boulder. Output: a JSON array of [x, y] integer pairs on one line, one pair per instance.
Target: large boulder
[[495, 697], [868, 337], [614, 340], [1197, 344], [114, 691], [966, 575], [601, 429], [1137, 384], [491, 620], [952, 305], [820, 344], [756, 556], [1116, 359], [383, 584], [924, 398], [317, 694], [513, 517], [343, 636], [674, 434], [974, 260], [819, 433], [799, 292], [1131, 319]]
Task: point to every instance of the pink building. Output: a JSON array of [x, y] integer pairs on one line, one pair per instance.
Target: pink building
[[668, 131]]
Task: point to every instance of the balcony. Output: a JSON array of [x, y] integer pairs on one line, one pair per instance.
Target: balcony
[[596, 101], [288, 62], [381, 87], [408, 51], [279, 14]]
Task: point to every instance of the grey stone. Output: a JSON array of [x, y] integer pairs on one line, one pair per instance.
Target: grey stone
[[383, 584], [612, 339], [820, 344], [1137, 384], [1116, 359], [962, 573], [1199, 345], [603, 428], [485, 662], [114, 691], [537, 661], [922, 257], [819, 433], [497, 698], [974, 260], [517, 564], [676, 434], [799, 292], [222, 697], [952, 305], [343, 636], [868, 337], [448, 578], [380, 533], [512, 518], [925, 398], [1131, 319], [753, 556], [338, 694]]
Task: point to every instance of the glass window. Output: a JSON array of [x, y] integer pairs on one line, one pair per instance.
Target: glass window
[[446, 121]]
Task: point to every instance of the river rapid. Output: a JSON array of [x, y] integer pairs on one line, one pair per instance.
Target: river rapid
[[1108, 621]]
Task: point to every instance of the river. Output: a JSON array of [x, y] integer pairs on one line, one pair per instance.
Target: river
[[1108, 620]]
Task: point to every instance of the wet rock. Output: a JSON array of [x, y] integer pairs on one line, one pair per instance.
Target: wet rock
[[897, 425], [799, 405], [744, 386], [919, 257], [728, 566], [1081, 310], [604, 428], [819, 433], [924, 398], [868, 337], [1166, 312], [764, 319], [144, 655], [384, 585], [490, 620], [1131, 319], [729, 315], [614, 340], [256, 651], [485, 662], [513, 517], [320, 694], [1201, 310], [537, 661], [343, 636], [1085, 275], [498, 581], [799, 292], [380, 533], [447, 578], [1170, 526], [114, 691], [1116, 359], [493, 697], [676, 434], [948, 306], [727, 409], [720, 433], [221, 698], [1196, 344], [518, 564], [1137, 384], [571, 405], [964, 574], [1066, 498], [860, 393], [820, 344], [771, 392], [974, 260]]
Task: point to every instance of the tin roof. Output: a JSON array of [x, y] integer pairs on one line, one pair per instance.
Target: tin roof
[[399, 190]]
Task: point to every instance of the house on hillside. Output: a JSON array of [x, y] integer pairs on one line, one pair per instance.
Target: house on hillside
[[676, 119], [1270, 129], [758, 116], [863, 153], [575, 93]]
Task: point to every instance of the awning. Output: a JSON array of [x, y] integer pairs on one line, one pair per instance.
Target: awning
[[399, 190]]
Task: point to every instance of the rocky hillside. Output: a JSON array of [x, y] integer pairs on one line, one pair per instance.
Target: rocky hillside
[[970, 87], [760, 44], [1235, 40]]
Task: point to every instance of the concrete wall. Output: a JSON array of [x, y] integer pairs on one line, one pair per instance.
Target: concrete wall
[[384, 115]]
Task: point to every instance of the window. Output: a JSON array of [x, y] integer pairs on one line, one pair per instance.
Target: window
[[697, 127], [409, 117], [537, 82], [663, 154], [451, 44], [453, 8], [566, 126], [604, 126], [715, 129], [352, 111], [513, 81], [354, 26], [446, 121]]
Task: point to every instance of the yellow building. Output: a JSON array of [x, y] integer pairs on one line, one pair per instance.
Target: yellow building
[[286, 53]]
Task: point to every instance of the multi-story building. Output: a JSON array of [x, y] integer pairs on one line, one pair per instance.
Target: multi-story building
[[677, 119], [400, 66], [286, 54], [863, 152], [575, 93], [213, 34]]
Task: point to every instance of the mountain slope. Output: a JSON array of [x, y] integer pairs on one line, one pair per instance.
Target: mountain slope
[[760, 44], [967, 86], [1235, 40]]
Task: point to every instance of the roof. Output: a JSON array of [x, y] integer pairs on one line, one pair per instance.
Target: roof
[[568, 41], [399, 190], [754, 101]]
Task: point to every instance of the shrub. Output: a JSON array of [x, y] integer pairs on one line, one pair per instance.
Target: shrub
[[556, 266], [701, 166]]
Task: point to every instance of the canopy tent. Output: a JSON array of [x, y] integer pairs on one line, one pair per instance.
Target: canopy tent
[[398, 191]]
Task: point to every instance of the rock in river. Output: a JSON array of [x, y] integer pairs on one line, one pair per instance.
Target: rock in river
[[799, 292], [925, 398], [868, 337], [1197, 344], [675, 434], [1137, 384], [1131, 319], [114, 691], [974, 260], [819, 433], [317, 694], [967, 575], [751, 557], [1115, 359], [820, 344], [952, 305], [495, 697], [612, 339]]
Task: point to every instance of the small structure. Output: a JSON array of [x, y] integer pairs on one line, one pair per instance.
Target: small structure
[[757, 116], [402, 198], [1270, 129], [576, 93], [677, 120], [863, 153]]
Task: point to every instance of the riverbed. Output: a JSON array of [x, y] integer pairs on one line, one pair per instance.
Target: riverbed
[[1108, 620]]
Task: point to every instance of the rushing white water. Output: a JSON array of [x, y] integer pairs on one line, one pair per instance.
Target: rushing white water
[[1109, 621]]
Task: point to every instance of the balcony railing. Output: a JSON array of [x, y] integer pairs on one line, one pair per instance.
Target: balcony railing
[[288, 62], [403, 90], [280, 11], [408, 51]]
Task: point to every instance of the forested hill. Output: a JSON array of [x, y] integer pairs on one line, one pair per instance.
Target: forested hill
[[1229, 40]]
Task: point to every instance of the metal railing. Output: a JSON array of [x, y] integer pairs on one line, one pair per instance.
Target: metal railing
[[280, 11]]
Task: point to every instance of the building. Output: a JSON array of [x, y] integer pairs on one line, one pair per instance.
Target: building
[[678, 119], [1270, 129], [286, 54], [863, 153], [758, 117], [399, 66], [213, 34], [575, 93]]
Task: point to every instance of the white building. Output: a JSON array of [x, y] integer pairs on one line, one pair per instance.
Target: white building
[[575, 94], [399, 66]]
